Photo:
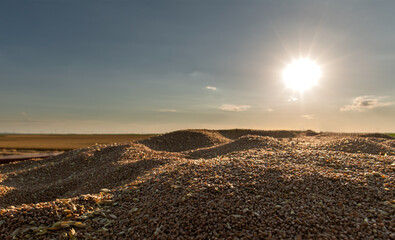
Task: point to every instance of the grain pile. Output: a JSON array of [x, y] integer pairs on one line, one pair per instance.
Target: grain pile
[[377, 135], [269, 189], [357, 145], [390, 143], [185, 140], [76, 172], [240, 144], [236, 133]]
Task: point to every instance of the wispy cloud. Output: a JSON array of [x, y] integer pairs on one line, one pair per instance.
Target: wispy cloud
[[24, 114], [199, 75], [196, 74], [167, 110], [308, 116], [23, 121], [269, 110], [363, 103], [292, 99], [234, 108], [211, 88]]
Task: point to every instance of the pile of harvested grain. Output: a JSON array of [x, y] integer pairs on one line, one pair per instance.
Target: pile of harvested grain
[[377, 135], [77, 172], [184, 140], [310, 133], [130, 191], [357, 145], [241, 144], [390, 143]]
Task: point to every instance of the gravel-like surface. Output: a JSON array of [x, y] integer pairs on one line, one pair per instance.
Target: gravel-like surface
[[357, 145], [185, 140], [240, 144], [225, 185]]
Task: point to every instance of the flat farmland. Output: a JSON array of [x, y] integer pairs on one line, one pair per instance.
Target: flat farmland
[[45, 142]]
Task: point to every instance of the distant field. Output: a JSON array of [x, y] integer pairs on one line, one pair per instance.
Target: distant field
[[391, 134], [63, 142]]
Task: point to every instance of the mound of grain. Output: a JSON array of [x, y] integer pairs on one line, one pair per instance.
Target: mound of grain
[[241, 144], [236, 133], [390, 143], [283, 195], [134, 192], [76, 172], [185, 140], [357, 145], [310, 133], [377, 135]]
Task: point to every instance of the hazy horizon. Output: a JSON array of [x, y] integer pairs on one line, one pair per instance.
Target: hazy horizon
[[158, 66]]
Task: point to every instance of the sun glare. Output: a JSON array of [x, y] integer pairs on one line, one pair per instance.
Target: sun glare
[[301, 74]]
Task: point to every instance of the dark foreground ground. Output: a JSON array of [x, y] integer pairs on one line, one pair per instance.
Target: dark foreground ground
[[200, 184]]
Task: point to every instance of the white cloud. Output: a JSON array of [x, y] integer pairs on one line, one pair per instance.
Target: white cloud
[[211, 88], [292, 99], [167, 110], [234, 108], [308, 116], [363, 103], [269, 110]]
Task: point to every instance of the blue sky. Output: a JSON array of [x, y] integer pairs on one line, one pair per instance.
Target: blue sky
[[157, 66]]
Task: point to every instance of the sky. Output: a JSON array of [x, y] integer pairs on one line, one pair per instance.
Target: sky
[[98, 66]]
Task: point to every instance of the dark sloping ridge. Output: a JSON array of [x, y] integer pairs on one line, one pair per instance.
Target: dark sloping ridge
[[377, 135], [184, 140], [241, 144], [236, 133]]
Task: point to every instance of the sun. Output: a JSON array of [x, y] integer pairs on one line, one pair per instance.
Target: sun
[[301, 74]]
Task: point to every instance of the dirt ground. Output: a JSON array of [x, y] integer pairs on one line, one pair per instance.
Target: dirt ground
[[12, 144]]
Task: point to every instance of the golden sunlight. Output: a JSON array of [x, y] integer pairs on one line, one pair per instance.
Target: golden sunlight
[[301, 74]]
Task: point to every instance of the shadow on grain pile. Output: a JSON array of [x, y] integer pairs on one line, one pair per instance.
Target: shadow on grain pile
[[236, 133], [242, 143], [377, 135], [76, 172], [242, 207], [185, 140]]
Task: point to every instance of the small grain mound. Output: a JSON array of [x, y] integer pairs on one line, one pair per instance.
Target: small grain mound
[[236, 133], [241, 144], [310, 133], [377, 135], [357, 145], [185, 140], [390, 143]]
